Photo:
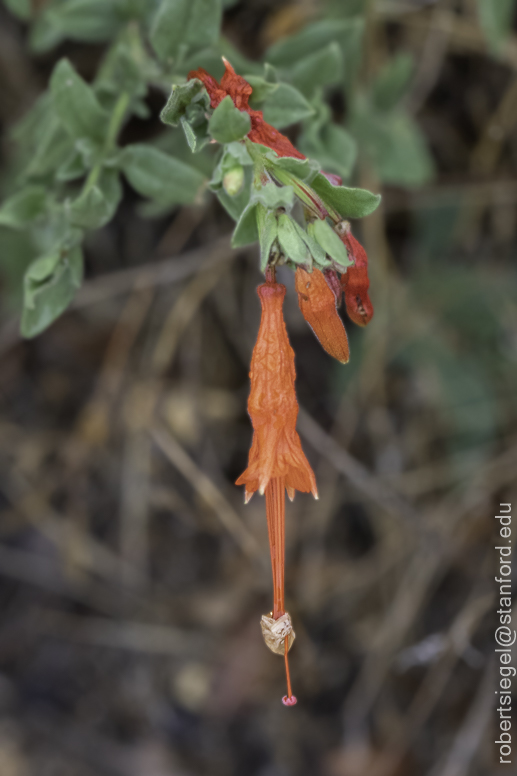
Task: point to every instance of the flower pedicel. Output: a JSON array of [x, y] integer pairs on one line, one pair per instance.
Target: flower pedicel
[[324, 271]]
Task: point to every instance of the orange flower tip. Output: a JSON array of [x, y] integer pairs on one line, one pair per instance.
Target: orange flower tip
[[290, 492], [291, 701]]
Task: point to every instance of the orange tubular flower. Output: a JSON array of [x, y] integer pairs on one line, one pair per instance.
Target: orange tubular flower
[[276, 449], [356, 282], [276, 460], [318, 305], [240, 91]]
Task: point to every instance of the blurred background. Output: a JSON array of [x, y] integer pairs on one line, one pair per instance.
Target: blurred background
[[132, 577]]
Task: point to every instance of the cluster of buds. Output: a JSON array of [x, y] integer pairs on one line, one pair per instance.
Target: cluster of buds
[[296, 213]]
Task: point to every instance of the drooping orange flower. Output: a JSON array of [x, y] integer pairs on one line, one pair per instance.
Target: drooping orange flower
[[276, 450], [317, 302], [240, 91], [355, 281], [276, 460]]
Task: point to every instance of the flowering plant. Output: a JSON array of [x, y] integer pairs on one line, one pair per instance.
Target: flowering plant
[[275, 178]]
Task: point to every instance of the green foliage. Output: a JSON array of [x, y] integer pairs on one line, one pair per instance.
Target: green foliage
[[69, 162], [23, 208], [331, 243], [323, 68], [285, 106], [228, 123], [20, 8], [181, 97], [349, 203], [496, 20], [393, 142], [49, 287], [96, 205], [391, 83], [180, 25], [159, 176], [76, 105]]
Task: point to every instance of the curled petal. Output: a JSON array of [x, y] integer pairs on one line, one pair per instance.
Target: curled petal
[[318, 305]]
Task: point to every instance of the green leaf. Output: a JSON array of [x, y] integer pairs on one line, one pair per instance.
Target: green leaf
[[273, 196], [196, 132], [329, 241], [179, 100], [268, 232], [124, 68], [322, 68], [76, 104], [349, 203], [97, 205], [285, 106], [246, 231], [496, 18], [392, 82], [228, 123], [160, 176], [20, 8], [42, 142], [305, 169], [49, 286], [262, 88], [394, 143], [292, 242], [73, 167], [24, 207], [310, 39], [333, 147], [91, 21], [183, 24]]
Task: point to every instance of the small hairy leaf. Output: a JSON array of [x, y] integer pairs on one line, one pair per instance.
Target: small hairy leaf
[[180, 25], [292, 242], [322, 68], [268, 232], [159, 176], [329, 241], [19, 210], [49, 286], [179, 100], [392, 81], [96, 206], [349, 203], [285, 106], [228, 123], [76, 104]]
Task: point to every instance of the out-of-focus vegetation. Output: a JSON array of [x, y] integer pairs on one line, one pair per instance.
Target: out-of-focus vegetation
[[132, 577]]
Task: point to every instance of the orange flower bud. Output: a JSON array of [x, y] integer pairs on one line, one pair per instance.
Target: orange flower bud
[[355, 281], [276, 449], [318, 305]]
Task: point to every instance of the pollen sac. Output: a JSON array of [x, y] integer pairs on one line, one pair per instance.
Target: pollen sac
[[318, 305]]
